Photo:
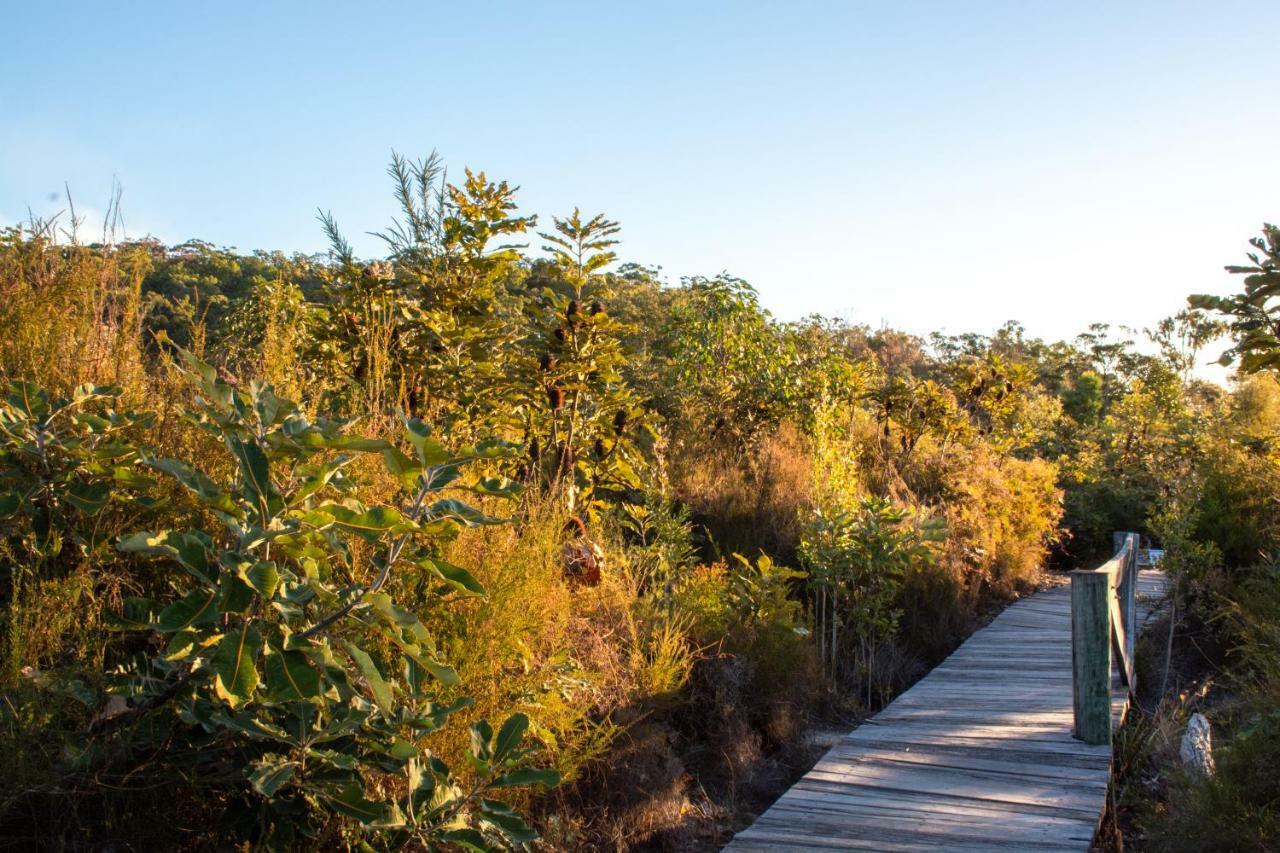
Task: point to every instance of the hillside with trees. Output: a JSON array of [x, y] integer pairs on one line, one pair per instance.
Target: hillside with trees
[[497, 541]]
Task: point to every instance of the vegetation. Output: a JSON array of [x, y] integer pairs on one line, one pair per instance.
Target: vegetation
[[471, 547], [1217, 518]]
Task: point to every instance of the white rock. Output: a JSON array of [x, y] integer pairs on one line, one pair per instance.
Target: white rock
[[1197, 746]]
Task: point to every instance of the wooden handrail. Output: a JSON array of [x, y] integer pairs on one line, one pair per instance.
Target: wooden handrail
[[1103, 608]]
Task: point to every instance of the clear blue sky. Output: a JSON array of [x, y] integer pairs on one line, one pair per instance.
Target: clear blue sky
[[926, 165]]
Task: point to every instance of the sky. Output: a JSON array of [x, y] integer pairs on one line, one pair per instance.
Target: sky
[[926, 166]]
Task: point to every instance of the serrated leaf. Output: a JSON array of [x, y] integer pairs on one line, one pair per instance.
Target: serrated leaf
[[271, 775]]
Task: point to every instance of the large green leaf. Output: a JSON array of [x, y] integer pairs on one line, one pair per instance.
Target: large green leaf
[[195, 609], [456, 576], [510, 736], [289, 677], [89, 498], [190, 549], [235, 666], [209, 492], [430, 451], [255, 469], [377, 684], [271, 774], [498, 487], [235, 594], [404, 469], [318, 477], [506, 819], [264, 577], [457, 510], [395, 615], [370, 523], [351, 801]]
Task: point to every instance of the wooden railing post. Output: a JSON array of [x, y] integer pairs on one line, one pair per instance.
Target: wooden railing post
[[1091, 655], [1128, 602]]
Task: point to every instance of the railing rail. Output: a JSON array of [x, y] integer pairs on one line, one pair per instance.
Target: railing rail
[[1103, 612]]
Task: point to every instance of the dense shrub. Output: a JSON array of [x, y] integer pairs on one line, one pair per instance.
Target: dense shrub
[[693, 528]]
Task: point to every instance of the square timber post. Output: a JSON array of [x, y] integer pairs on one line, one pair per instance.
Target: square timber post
[[1091, 655]]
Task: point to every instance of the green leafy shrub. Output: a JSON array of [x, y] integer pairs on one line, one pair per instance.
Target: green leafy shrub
[[276, 649], [858, 562]]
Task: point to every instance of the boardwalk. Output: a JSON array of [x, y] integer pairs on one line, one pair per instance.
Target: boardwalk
[[978, 755]]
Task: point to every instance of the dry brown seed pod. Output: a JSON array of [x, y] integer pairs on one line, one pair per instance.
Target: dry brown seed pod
[[555, 397]]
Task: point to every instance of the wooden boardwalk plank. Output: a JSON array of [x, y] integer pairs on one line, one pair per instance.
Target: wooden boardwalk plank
[[976, 756]]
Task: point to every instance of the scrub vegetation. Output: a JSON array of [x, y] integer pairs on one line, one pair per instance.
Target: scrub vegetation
[[495, 541]]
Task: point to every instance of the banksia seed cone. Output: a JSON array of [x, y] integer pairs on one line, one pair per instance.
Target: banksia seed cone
[[555, 397], [600, 448], [533, 450], [547, 361], [620, 421], [596, 308], [560, 336], [572, 309]]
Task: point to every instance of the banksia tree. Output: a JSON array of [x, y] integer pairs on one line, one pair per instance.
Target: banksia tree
[[583, 380]]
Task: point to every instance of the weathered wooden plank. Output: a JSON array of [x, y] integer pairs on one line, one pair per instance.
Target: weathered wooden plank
[[978, 755], [955, 812]]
